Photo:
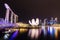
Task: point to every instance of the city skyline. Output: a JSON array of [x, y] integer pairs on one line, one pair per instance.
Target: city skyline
[[26, 9]]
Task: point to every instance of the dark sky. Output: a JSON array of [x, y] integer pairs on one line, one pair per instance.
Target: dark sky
[[28, 9]]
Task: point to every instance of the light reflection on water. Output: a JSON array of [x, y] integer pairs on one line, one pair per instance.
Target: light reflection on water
[[34, 33]]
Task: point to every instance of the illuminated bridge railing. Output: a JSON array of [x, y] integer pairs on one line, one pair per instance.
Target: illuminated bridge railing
[[3, 25]]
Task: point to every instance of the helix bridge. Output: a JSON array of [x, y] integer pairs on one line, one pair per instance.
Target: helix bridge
[[35, 26]]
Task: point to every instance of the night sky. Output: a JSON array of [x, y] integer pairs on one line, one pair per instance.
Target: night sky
[[28, 9]]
